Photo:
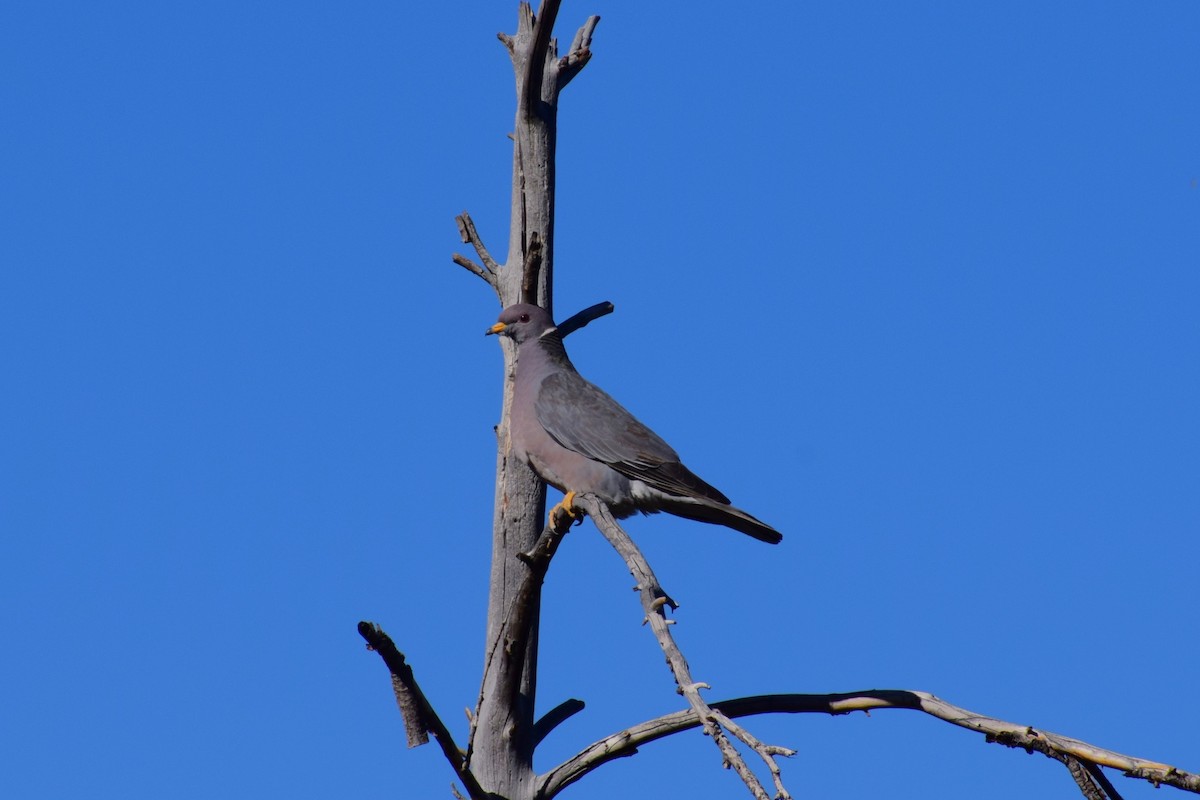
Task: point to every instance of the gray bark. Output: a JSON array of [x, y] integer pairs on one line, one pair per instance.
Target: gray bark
[[500, 750]]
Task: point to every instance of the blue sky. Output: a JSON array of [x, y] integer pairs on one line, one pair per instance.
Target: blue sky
[[915, 283]]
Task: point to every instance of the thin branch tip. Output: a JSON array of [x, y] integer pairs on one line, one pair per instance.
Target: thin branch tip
[[555, 717], [654, 598], [580, 54], [470, 235]]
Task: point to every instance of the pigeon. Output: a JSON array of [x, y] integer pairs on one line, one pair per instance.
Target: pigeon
[[581, 441]]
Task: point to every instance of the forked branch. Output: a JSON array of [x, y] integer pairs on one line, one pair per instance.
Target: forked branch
[[654, 600], [469, 235], [1061, 748], [1082, 760], [581, 52]]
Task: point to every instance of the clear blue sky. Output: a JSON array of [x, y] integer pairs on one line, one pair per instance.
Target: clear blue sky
[[916, 283]]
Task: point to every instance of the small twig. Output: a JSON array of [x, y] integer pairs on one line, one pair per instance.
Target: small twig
[[415, 707], [471, 266], [654, 600], [573, 62], [538, 557], [1083, 779], [766, 752], [1098, 775], [583, 36], [470, 235], [555, 717], [581, 319]]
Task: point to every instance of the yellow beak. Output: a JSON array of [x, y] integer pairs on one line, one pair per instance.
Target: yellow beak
[[497, 328]]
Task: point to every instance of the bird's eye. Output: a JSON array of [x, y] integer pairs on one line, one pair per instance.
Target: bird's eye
[[524, 318]]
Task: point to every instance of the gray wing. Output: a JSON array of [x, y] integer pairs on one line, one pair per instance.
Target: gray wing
[[581, 417]]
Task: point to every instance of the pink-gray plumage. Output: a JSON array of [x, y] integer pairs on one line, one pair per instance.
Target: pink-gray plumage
[[580, 440]]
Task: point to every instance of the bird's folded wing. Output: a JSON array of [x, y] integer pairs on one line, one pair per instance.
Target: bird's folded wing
[[581, 417]]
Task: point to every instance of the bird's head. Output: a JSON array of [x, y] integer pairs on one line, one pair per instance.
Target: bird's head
[[522, 322]]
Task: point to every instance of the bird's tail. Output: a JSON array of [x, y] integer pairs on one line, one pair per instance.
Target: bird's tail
[[704, 510]]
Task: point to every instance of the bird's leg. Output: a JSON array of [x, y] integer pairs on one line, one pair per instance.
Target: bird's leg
[[565, 506]]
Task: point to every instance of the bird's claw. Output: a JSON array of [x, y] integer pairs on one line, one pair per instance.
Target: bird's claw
[[567, 507]]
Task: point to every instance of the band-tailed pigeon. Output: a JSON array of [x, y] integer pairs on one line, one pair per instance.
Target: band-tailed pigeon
[[580, 440]]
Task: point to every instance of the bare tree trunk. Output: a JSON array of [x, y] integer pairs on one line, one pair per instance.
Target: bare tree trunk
[[500, 750]]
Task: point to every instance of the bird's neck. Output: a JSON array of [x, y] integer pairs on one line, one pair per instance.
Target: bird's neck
[[549, 346]]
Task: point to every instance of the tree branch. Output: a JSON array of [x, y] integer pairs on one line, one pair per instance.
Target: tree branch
[[625, 743], [582, 318], [573, 62], [521, 619], [555, 717], [766, 752], [471, 266], [1083, 779], [653, 600], [418, 714], [535, 68], [469, 235], [1102, 780]]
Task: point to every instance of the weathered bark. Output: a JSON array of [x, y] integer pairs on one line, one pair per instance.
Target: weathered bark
[[500, 750]]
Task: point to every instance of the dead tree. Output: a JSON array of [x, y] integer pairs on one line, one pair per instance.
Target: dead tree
[[497, 761]]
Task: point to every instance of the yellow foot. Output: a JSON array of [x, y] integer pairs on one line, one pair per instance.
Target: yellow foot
[[566, 506]]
